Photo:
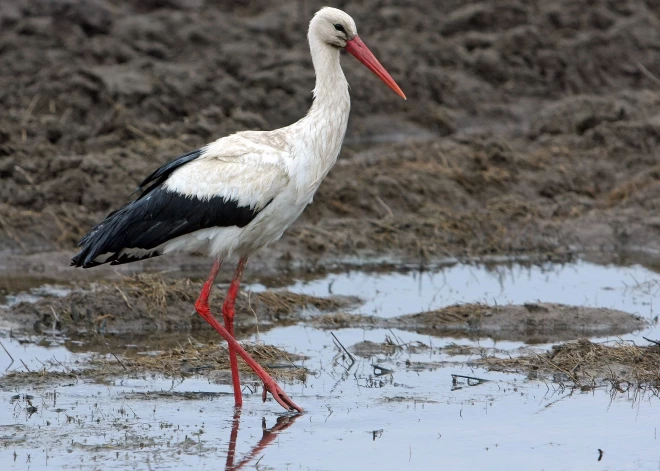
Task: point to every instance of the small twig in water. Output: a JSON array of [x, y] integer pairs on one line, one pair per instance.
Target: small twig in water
[[26, 367], [652, 341], [380, 371], [3, 347], [397, 338], [111, 352], [469, 378], [134, 414], [343, 348]]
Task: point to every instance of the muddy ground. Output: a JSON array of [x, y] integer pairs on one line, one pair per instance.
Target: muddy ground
[[530, 127], [151, 303], [529, 133], [145, 324]]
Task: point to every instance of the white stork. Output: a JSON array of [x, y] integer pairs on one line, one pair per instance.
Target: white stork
[[241, 192]]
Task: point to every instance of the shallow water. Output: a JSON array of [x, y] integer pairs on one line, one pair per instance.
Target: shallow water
[[410, 419], [631, 289]]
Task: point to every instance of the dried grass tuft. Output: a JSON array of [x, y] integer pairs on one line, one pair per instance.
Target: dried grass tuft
[[195, 359], [157, 291], [281, 303], [586, 363], [186, 360], [338, 320]]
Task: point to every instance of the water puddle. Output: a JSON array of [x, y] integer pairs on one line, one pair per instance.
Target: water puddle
[[631, 289], [380, 412]]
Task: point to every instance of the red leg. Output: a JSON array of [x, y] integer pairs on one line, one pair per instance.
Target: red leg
[[203, 304], [202, 307], [203, 300], [228, 314]]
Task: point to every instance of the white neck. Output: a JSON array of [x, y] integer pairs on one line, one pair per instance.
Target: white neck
[[331, 90], [321, 132]]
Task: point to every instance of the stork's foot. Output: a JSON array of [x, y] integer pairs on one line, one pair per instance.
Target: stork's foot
[[270, 386]]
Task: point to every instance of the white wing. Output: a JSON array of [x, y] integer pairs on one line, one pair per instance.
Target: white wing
[[236, 168]]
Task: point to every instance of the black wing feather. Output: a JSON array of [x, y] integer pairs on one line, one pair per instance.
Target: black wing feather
[[161, 174], [158, 215]]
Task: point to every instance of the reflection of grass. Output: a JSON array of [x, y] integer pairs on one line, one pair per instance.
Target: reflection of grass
[[587, 364], [648, 288]]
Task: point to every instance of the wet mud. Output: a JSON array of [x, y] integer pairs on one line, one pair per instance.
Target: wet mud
[[529, 128], [191, 359], [147, 303], [529, 134], [532, 323]]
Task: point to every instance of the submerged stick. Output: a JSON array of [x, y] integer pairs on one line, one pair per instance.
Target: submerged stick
[[343, 348], [652, 341], [7, 352], [108, 347], [473, 378]]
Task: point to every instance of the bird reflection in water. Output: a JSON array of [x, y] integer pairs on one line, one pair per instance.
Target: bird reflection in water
[[269, 434]]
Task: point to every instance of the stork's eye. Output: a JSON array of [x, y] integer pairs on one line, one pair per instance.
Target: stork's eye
[[339, 27]]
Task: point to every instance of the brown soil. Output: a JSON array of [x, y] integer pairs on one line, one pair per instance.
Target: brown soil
[[532, 323], [530, 127], [390, 346], [151, 303], [147, 303]]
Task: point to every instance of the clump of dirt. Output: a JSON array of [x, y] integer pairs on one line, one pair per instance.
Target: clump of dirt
[[341, 320], [390, 346], [588, 364], [150, 302], [531, 323], [285, 305], [367, 348], [186, 360], [15, 380], [454, 349]]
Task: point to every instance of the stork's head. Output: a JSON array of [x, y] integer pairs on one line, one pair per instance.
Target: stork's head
[[337, 29]]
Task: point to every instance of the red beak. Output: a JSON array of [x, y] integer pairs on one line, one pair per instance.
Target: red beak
[[362, 53]]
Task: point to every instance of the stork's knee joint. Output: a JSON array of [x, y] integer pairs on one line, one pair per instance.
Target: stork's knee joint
[[201, 307]]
